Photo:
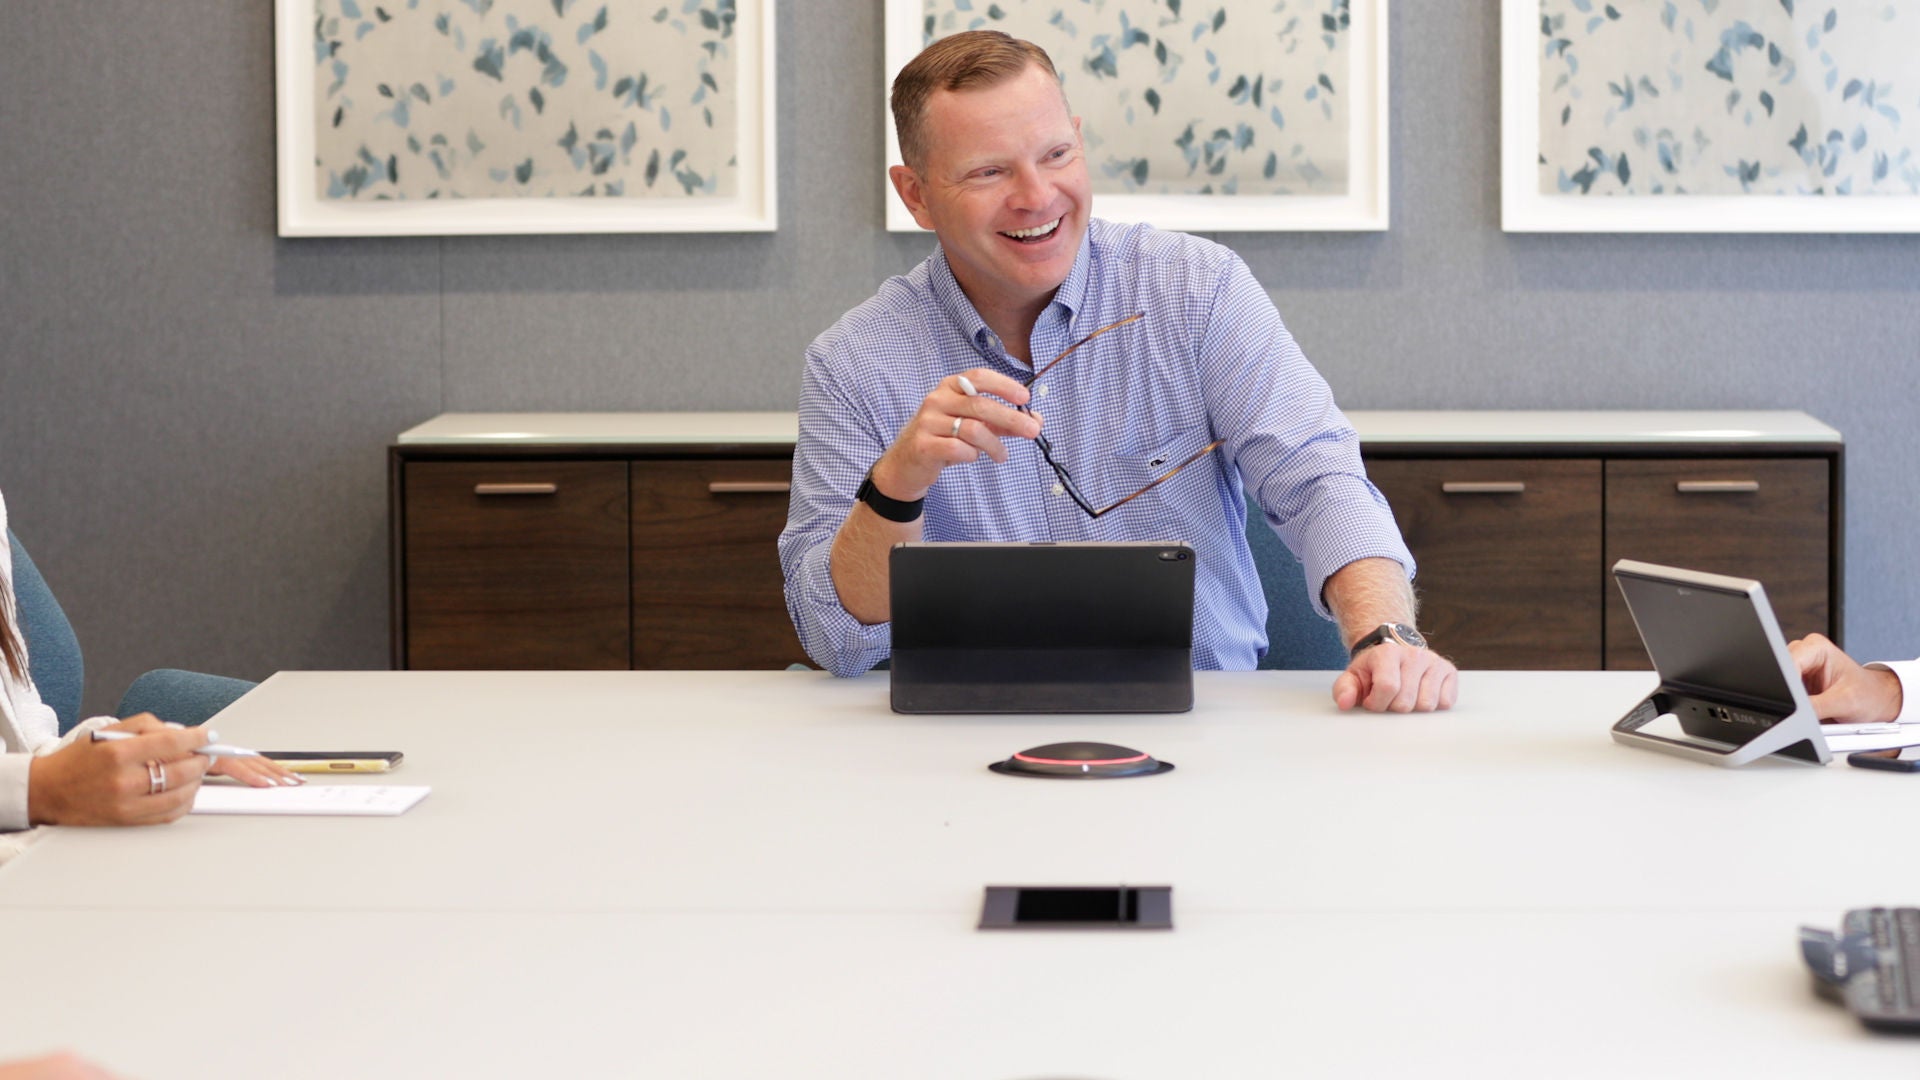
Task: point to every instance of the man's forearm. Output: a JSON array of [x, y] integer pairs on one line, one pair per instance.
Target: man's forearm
[[1366, 593], [859, 561]]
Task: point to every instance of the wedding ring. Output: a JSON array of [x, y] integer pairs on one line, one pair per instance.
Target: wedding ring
[[955, 433], [156, 778]]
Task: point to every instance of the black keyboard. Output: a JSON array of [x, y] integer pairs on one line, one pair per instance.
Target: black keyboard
[[1872, 965]]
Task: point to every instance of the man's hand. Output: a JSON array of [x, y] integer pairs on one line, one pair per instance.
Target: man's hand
[[1841, 691], [1391, 677], [111, 783], [952, 427], [932, 440]]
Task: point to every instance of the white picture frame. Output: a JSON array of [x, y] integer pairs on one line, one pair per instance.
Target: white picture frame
[[1525, 208], [1363, 207], [751, 205]]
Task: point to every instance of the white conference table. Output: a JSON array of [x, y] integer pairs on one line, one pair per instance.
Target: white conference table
[[769, 874]]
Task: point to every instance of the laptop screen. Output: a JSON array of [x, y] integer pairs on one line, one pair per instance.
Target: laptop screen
[[1039, 596]]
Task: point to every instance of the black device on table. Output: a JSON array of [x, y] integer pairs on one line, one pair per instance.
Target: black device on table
[[1872, 965], [1894, 759], [1042, 628], [319, 761]]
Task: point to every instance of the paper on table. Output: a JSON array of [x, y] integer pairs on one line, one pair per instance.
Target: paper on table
[[1880, 727], [344, 799], [1841, 742]]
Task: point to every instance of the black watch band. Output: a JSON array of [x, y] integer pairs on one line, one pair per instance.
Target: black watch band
[[891, 509], [1400, 632]]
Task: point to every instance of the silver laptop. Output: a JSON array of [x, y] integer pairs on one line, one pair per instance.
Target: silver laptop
[[1729, 691], [1042, 628]]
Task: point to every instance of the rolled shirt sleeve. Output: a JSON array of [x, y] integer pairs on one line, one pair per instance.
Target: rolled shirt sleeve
[[834, 452]]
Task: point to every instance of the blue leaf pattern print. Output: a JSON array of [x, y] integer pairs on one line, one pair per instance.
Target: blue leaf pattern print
[[1729, 97], [525, 98], [1179, 98]]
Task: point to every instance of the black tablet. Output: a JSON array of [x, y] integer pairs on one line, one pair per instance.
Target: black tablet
[[1042, 628]]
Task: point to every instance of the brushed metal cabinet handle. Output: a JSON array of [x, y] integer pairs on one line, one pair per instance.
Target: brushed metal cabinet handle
[[1716, 487], [1483, 487], [749, 487], [516, 489]]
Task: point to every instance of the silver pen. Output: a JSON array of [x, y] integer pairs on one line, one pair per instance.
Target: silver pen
[[212, 749]]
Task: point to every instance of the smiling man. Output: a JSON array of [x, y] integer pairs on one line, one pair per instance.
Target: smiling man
[[1047, 376]]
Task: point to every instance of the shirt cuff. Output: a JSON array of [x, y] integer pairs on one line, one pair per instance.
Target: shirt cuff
[[13, 791], [1322, 563], [1908, 672]]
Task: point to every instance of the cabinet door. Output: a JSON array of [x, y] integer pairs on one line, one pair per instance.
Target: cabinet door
[[706, 575], [1763, 519], [516, 564], [1509, 554]]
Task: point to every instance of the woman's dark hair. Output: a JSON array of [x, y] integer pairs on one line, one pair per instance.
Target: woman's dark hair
[[12, 650]]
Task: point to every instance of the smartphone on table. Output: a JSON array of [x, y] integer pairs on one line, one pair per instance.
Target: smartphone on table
[[1898, 759], [335, 761]]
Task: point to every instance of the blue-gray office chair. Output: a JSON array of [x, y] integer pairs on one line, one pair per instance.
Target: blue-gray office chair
[[59, 672], [1298, 639]]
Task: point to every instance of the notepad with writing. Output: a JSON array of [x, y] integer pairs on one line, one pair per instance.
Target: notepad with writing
[[353, 800]]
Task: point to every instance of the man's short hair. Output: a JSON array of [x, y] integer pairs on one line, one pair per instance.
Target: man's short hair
[[959, 62]]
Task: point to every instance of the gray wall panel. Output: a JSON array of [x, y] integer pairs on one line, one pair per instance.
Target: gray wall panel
[[191, 410], [194, 414]]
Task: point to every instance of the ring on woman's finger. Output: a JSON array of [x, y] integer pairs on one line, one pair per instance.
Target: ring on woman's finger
[[955, 433], [156, 778]]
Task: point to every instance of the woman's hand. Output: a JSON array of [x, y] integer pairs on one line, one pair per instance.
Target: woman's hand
[[146, 780], [255, 771]]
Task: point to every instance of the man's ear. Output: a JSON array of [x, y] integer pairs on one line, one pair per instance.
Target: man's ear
[[906, 183]]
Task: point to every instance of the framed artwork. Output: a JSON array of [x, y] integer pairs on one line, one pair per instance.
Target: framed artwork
[[398, 117], [1710, 116], [1203, 117]]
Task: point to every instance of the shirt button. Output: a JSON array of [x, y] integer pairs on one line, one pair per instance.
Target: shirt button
[[1059, 488], [1041, 390]]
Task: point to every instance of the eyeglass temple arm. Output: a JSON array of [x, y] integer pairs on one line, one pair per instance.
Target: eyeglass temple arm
[[1168, 475], [1068, 351]]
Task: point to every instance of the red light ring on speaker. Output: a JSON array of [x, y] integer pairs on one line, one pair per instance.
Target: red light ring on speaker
[[1134, 760]]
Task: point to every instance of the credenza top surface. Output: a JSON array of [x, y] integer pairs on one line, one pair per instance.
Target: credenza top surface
[[1387, 426]]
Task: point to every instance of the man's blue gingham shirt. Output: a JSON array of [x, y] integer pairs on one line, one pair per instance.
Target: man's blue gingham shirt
[[1210, 360]]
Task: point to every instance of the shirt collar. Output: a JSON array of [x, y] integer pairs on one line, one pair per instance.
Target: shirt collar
[[1071, 295]]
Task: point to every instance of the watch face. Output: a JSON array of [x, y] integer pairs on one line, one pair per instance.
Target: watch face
[[1409, 636]]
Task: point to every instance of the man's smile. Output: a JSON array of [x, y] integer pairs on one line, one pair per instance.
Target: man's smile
[[1036, 234]]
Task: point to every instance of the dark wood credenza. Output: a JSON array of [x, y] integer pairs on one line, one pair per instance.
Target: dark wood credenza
[[645, 540]]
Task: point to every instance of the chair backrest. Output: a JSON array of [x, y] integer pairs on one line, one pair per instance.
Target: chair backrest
[[1298, 638], [53, 652]]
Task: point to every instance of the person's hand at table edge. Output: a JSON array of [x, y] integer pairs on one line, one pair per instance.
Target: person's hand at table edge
[[60, 1066], [1840, 689], [146, 780], [1391, 677]]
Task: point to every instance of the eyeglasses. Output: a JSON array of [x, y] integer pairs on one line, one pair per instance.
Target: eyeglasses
[[1066, 478]]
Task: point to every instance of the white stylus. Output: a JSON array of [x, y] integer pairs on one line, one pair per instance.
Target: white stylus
[[210, 750]]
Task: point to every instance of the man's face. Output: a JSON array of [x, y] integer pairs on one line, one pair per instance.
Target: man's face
[[1004, 186]]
